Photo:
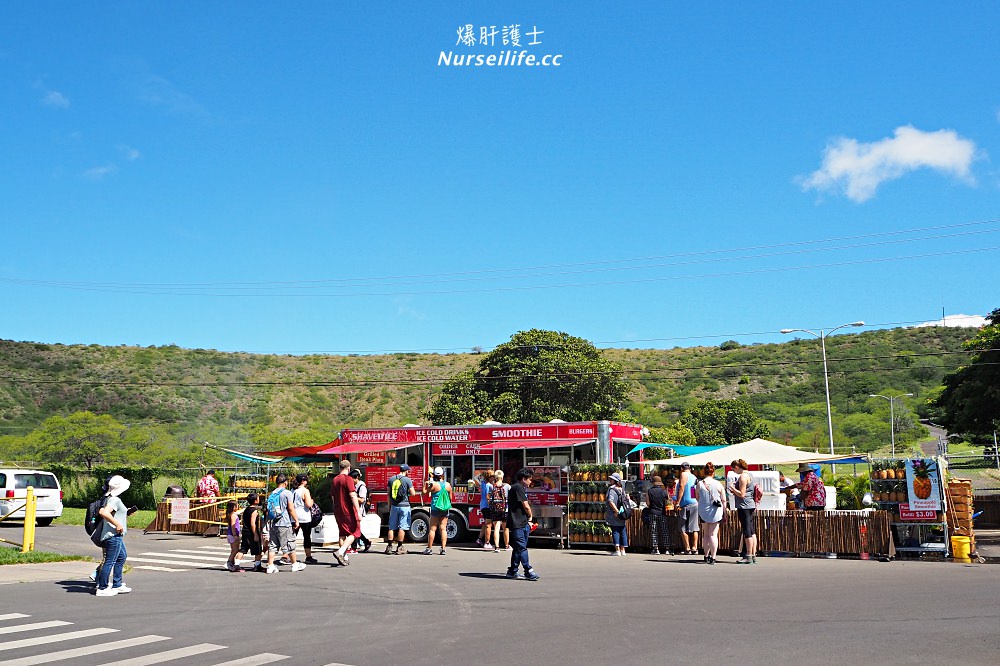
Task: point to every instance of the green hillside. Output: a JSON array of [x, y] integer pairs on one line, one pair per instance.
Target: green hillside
[[260, 400]]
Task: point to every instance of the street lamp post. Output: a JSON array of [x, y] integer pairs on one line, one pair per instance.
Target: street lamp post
[[826, 373], [892, 415]]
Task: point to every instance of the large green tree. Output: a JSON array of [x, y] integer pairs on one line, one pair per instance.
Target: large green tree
[[536, 377], [724, 422], [970, 401], [80, 437]]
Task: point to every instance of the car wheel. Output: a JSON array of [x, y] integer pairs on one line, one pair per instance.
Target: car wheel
[[420, 525], [44, 522]]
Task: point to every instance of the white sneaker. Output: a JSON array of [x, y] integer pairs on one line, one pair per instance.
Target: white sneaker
[[124, 589], [298, 566], [106, 592], [272, 569]]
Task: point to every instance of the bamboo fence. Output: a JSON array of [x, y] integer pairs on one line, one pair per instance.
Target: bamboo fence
[[794, 532]]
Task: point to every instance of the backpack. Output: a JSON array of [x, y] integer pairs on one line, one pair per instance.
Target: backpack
[[274, 504], [625, 505], [442, 501], [396, 490], [498, 501], [93, 519]]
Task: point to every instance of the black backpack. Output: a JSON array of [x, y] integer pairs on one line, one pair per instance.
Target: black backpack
[[93, 518]]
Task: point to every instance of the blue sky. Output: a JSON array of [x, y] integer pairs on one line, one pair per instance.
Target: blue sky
[[305, 178]]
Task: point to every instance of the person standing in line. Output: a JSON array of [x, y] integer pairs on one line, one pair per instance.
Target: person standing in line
[[811, 489], [345, 510], [114, 525], [251, 536], [687, 502], [520, 518], [361, 488], [233, 529], [500, 521], [711, 499], [282, 524], [208, 486], [485, 488], [614, 500], [657, 499], [488, 485], [400, 491], [440, 491], [742, 488], [303, 502]]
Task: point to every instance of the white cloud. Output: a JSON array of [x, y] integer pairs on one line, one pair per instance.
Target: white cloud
[[857, 169], [56, 99], [957, 321], [158, 91], [99, 172], [130, 153]]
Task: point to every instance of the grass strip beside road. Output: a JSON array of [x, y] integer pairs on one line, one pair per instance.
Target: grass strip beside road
[[136, 521], [10, 555]]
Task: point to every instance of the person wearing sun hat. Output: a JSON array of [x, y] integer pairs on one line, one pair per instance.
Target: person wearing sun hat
[[614, 500], [114, 525], [811, 489]]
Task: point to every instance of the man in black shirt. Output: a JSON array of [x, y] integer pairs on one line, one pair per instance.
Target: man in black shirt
[[519, 521]]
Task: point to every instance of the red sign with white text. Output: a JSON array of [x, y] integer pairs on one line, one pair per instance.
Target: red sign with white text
[[377, 477], [905, 513], [371, 457], [497, 433], [451, 449]]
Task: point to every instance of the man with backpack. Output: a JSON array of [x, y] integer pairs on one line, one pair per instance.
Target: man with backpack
[[282, 523], [400, 490]]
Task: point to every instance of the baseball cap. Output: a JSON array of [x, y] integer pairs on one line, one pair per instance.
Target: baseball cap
[[439, 471], [404, 468]]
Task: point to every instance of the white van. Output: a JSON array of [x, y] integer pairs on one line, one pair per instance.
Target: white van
[[14, 488]]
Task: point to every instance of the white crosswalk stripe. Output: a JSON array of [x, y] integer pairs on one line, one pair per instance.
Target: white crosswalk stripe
[[255, 660], [168, 655], [82, 651], [32, 626]]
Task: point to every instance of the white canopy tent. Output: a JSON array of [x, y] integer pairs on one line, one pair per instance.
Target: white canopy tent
[[755, 452]]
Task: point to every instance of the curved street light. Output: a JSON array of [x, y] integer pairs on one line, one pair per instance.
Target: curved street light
[[826, 374], [892, 415]]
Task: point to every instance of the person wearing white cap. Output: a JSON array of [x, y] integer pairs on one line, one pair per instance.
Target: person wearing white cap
[[613, 515], [114, 525], [440, 491]]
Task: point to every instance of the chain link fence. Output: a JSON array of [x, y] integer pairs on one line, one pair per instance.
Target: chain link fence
[[983, 469]]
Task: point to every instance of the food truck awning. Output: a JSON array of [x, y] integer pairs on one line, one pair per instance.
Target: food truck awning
[[535, 444], [362, 447], [303, 453]]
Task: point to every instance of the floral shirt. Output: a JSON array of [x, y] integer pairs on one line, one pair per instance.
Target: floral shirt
[[813, 492], [208, 487]]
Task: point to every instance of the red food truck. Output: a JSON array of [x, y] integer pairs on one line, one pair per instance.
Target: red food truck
[[465, 451]]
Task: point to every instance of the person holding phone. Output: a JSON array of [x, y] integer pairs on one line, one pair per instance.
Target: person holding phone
[[114, 525]]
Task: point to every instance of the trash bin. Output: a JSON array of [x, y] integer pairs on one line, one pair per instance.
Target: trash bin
[[175, 491]]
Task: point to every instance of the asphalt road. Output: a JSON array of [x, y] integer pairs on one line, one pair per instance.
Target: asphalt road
[[588, 608]]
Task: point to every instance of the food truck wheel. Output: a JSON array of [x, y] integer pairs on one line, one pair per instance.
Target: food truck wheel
[[420, 525], [456, 527]]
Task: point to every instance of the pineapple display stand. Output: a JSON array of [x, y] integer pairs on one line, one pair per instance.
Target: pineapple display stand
[[588, 488], [924, 536]]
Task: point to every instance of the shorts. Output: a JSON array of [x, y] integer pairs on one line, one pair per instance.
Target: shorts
[[282, 539], [746, 521], [487, 513], [439, 513], [348, 526], [689, 519], [399, 518], [232, 538], [250, 545]]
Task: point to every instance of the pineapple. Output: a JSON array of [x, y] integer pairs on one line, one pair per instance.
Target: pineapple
[[922, 478]]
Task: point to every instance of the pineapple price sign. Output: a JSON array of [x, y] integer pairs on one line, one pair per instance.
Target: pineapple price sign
[[923, 483]]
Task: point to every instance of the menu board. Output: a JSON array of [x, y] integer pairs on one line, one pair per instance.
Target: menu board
[[923, 483], [377, 476]]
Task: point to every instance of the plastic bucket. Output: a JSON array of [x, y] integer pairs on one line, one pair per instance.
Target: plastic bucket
[[960, 547]]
